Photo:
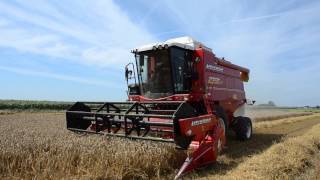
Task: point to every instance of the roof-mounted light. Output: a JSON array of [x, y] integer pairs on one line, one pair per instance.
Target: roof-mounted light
[[154, 48], [160, 47], [166, 46]]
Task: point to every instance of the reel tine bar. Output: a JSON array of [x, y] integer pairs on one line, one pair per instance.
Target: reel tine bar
[[123, 118]]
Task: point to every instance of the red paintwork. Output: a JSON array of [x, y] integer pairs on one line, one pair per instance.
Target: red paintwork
[[229, 91], [205, 151], [219, 81], [186, 125]]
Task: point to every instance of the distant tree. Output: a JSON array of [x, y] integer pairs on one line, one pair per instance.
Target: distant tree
[[271, 103]]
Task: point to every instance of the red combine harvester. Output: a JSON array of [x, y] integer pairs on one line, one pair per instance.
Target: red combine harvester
[[179, 92]]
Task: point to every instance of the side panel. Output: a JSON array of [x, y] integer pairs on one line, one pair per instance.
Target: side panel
[[223, 84], [197, 127]]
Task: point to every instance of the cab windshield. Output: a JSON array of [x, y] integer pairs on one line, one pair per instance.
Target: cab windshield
[[163, 72]]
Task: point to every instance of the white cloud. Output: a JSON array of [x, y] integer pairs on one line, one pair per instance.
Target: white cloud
[[98, 33], [64, 77], [45, 44], [278, 41], [106, 57]]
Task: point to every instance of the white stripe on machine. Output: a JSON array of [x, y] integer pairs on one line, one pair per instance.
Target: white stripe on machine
[[199, 122]]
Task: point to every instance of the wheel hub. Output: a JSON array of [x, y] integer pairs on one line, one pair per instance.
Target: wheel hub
[[248, 133]]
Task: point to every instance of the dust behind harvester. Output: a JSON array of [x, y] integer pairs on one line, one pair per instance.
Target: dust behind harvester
[[179, 92]]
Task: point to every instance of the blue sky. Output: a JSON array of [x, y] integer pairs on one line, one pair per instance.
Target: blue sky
[[75, 50]]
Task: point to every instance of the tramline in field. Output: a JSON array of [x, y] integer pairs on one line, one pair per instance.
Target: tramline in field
[[179, 92]]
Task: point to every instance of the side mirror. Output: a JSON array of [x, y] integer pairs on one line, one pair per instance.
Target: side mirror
[[128, 73], [133, 89], [250, 101]]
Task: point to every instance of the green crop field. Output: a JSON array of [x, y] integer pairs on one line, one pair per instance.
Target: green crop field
[[20, 105]]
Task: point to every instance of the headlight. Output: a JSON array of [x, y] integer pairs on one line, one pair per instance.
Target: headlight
[[154, 48]]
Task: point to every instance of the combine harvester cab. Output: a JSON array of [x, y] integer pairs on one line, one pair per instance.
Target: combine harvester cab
[[178, 92]]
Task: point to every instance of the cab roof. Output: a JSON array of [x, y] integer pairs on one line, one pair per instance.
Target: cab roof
[[185, 42]]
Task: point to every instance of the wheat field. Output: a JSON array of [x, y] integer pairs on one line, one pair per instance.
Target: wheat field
[[292, 158], [38, 146]]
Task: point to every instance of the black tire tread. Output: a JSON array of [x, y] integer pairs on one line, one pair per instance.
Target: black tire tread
[[240, 127], [222, 114]]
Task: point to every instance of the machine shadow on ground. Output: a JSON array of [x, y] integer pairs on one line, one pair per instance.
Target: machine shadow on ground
[[237, 151]]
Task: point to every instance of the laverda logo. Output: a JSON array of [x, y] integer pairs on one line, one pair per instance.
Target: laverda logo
[[199, 122], [214, 68], [214, 80]]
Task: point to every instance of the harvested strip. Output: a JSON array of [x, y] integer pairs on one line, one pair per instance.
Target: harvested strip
[[269, 124], [277, 117], [285, 160]]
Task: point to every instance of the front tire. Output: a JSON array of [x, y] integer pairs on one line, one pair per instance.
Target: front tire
[[243, 128], [221, 140]]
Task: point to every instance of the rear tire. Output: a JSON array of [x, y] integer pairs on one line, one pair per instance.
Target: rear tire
[[222, 114], [243, 128]]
